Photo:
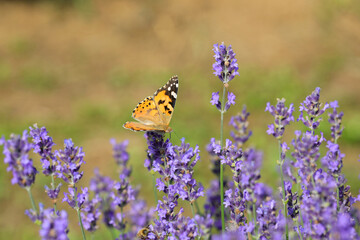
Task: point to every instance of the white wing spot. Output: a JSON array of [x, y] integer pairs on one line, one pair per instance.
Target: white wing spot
[[174, 94], [177, 85], [169, 88]]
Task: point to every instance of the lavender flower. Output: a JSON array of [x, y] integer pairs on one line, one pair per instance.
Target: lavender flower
[[230, 101], [283, 116], [53, 193], [213, 202], [54, 226], [215, 100], [335, 120], [306, 153], [313, 108], [225, 66], [333, 161], [102, 187], [344, 228], [74, 198], [90, 214], [36, 217], [139, 214], [204, 225], [124, 193], [43, 144], [237, 205], [156, 148], [16, 151], [240, 123], [318, 207], [267, 219], [121, 156], [72, 158], [291, 201]]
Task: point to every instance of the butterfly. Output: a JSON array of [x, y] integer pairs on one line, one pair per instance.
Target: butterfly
[[154, 112]]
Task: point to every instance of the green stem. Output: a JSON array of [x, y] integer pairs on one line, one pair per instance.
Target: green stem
[[81, 224], [221, 165], [78, 213], [283, 193], [31, 199], [298, 227], [254, 217], [53, 187], [197, 207], [337, 199], [154, 188], [198, 226]]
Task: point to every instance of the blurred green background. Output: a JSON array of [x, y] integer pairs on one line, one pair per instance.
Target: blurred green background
[[80, 67]]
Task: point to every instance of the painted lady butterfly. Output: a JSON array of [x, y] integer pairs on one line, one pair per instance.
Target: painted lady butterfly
[[154, 112]]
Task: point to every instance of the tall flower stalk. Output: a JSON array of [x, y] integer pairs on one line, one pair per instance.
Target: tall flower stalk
[[283, 116], [16, 152], [72, 158], [43, 144], [225, 68]]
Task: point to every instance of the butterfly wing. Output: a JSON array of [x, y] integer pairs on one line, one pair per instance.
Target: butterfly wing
[[165, 99], [137, 126], [154, 113], [146, 112]]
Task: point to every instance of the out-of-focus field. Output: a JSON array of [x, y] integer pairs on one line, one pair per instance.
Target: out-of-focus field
[[80, 70]]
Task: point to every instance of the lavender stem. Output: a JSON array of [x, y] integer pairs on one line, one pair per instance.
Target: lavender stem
[[283, 192], [221, 165], [81, 224], [53, 187], [31, 199]]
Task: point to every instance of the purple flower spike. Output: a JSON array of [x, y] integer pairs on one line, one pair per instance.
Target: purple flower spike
[[266, 216], [313, 108], [72, 158], [237, 205], [43, 144], [54, 226], [292, 201], [53, 193], [74, 198], [231, 101], [16, 151], [36, 217], [283, 116], [90, 214], [225, 66], [240, 123], [213, 202], [344, 228], [306, 152], [335, 120], [121, 156], [215, 100]]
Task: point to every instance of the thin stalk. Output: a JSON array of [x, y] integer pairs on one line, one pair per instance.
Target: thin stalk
[[283, 193], [154, 188], [197, 208], [31, 199], [81, 224], [53, 187], [198, 226], [78, 213], [254, 217], [337, 199], [221, 165], [298, 227]]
